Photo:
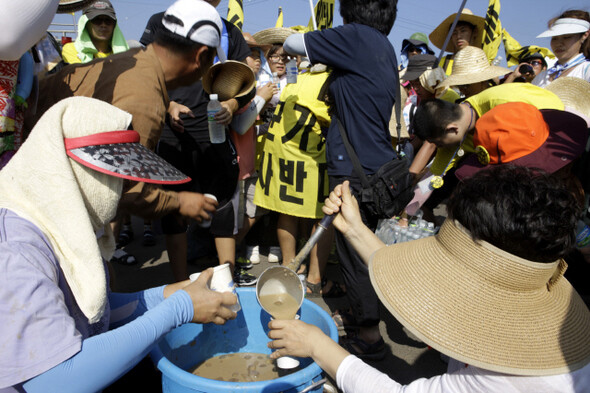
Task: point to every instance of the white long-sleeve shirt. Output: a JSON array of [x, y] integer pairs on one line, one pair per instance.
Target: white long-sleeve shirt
[[354, 375]]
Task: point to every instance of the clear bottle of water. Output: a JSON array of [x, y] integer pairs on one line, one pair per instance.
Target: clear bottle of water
[[216, 130], [275, 78], [582, 235], [292, 71]]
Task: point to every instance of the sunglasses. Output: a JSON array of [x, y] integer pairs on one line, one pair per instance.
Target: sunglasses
[[535, 63], [99, 20]]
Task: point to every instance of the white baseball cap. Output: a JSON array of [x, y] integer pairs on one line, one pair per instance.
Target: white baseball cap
[[195, 20], [565, 26]]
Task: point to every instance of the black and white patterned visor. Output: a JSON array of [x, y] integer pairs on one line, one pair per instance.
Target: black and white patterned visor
[[118, 153]]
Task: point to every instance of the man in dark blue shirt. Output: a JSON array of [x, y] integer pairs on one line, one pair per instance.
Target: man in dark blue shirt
[[362, 92]]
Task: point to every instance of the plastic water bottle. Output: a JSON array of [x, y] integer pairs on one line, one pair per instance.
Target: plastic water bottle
[[292, 71], [275, 78], [216, 130], [583, 235]]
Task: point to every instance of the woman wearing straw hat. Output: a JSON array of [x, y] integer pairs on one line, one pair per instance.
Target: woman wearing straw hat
[[569, 34], [488, 291], [468, 31]]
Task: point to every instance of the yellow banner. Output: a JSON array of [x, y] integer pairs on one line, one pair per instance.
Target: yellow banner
[[235, 13], [492, 34], [293, 177], [324, 15], [514, 51], [280, 18]]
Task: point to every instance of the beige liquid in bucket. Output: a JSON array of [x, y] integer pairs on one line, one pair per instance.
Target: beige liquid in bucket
[[240, 367]]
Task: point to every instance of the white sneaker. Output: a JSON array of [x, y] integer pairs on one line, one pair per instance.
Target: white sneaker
[[274, 254], [253, 254]]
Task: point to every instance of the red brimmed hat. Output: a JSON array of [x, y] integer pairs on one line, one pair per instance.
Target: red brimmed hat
[[119, 154], [520, 134]]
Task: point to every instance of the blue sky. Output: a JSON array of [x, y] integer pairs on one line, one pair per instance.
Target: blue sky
[[523, 19]]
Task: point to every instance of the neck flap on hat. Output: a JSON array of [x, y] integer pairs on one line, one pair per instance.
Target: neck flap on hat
[[40, 185]]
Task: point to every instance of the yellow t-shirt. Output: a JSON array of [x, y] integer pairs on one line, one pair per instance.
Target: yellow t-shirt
[[514, 92], [486, 100], [293, 177], [70, 54]]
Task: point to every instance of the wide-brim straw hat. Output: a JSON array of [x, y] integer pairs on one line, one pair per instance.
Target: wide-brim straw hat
[[252, 43], [471, 65], [483, 306], [574, 93], [230, 79], [67, 6], [438, 35], [273, 35]]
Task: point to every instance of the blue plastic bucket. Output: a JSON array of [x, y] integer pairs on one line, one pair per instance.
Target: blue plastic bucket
[[190, 344]]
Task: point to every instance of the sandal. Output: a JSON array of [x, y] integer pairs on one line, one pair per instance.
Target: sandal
[[313, 290], [344, 320], [122, 257], [125, 236], [363, 350], [148, 238], [336, 290]]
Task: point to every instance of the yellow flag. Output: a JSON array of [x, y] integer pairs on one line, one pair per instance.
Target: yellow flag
[[514, 51], [492, 34], [324, 15], [235, 13], [280, 18]]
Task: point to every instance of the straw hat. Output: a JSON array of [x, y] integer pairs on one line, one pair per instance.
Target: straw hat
[[483, 306], [229, 80], [274, 35], [573, 92], [438, 35], [252, 42], [67, 6], [471, 65]]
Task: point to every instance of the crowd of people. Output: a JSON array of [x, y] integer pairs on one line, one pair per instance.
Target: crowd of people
[[103, 128]]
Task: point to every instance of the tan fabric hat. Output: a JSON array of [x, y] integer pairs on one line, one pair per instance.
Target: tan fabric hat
[[438, 35], [483, 306], [274, 35], [471, 65], [229, 80], [67, 6], [573, 92]]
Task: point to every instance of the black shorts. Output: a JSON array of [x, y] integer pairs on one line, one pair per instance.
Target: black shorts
[[213, 169]]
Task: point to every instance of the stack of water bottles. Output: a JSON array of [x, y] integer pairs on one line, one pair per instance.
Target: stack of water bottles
[[390, 231]]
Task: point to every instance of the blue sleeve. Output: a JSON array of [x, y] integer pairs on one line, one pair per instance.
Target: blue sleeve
[[106, 357], [334, 47], [125, 307]]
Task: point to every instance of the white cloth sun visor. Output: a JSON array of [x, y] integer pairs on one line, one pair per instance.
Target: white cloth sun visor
[[196, 20], [565, 26]]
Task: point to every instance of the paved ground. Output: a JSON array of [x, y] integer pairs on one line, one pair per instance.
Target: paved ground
[[408, 359]]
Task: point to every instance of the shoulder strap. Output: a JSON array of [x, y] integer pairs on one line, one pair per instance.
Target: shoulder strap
[[398, 108], [351, 153]]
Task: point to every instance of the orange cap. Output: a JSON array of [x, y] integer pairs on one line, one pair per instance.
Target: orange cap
[[508, 132]]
